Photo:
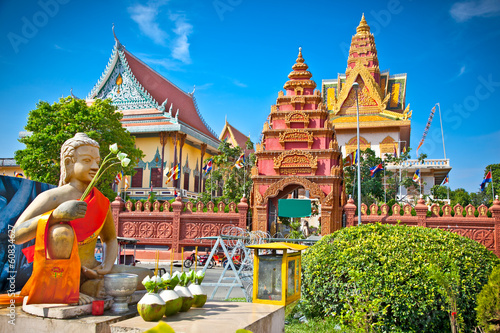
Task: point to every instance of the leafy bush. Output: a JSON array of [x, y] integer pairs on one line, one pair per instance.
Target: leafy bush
[[488, 303], [377, 277]]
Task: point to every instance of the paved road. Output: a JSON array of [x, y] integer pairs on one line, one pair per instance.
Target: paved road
[[211, 276]]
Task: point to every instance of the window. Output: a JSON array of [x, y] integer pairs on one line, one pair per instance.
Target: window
[[137, 178], [186, 181], [197, 182], [156, 177]]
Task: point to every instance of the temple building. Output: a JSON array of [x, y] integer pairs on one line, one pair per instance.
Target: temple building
[[235, 138], [298, 151], [384, 116], [165, 121]]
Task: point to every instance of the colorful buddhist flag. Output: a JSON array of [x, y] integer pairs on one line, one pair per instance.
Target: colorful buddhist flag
[[118, 177], [416, 176], [208, 167], [349, 160], [446, 180], [126, 183], [356, 157], [169, 174], [175, 193], [426, 130], [240, 163], [375, 169], [177, 171], [395, 152], [18, 174], [404, 149]]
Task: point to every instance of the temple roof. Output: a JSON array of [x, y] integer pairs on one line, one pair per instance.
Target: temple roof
[[236, 137], [148, 101]]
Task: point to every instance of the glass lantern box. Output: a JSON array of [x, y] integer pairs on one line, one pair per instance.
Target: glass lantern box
[[276, 278]]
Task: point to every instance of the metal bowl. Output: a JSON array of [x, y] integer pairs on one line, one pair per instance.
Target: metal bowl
[[120, 286]]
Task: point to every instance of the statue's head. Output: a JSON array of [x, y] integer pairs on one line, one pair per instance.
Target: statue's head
[[68, 150]]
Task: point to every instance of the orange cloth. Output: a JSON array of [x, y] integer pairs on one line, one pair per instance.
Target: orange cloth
[[53, 280]]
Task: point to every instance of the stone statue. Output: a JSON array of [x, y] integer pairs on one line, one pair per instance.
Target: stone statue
[[79, 164]]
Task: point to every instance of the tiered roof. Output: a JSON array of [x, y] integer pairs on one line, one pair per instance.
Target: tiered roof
[[235, 137], [149, 102]]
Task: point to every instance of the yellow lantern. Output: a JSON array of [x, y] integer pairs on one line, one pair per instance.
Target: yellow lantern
[[276, 273]]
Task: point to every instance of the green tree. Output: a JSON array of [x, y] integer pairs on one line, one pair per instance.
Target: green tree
[[439, 192], [51, 125], [225, 178], [459, 196]]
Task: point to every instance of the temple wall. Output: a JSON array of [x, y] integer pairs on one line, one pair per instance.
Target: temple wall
[[374, 138]]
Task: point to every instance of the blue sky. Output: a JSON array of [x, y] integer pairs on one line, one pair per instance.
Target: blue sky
[[238, 53]]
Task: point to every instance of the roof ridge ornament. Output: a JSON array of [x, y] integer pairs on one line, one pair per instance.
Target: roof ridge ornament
[[118, 44], [363, 27]]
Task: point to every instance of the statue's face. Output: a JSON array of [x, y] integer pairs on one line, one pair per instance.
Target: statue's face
[[86, 164]]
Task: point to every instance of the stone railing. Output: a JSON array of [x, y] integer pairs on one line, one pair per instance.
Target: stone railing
[[427, 163], [481, 228], [175, 224]]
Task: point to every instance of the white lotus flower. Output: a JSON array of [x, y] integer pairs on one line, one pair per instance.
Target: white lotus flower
[[113, 148], [146, 279], [125, 162], [156, 279], [121, 156], [166, 277], [200, 274]]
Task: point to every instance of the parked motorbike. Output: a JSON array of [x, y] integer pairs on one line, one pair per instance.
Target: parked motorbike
[[202, 260]]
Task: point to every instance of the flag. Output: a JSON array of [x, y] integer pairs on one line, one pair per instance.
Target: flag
[[395, 152], [177, 171], [18, 174], [126, 183], [356, 157], [169, 174], [375, 169], [416, 176], [240, 162], [349, 160], [487, 179], [208, 167], [118, 177], [175, 193], [446, 180], [426, 130], [172, 173], [404, 149]]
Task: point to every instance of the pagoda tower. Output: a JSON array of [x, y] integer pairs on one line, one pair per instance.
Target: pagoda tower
[[299, 149]]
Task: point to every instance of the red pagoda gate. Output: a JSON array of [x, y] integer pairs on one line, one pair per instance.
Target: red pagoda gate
[[299, 149]]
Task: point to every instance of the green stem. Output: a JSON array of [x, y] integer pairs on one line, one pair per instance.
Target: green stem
[[96, 178]]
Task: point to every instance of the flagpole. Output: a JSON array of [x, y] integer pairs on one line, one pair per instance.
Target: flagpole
[[385, 188], [442, 133], [492, 188]]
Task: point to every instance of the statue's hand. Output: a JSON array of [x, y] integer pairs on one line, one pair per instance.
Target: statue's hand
[[69, 210], [91, 273], [101, 270]]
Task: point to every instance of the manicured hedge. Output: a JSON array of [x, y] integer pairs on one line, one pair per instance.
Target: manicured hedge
[[382, 273], [488, 303]]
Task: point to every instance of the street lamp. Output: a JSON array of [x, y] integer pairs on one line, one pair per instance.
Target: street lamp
[[355, 85]]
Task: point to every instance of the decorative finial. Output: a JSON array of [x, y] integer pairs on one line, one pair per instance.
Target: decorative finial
[[118, 44], [496, 196], [363, 27], [299, 57], [194, 88]]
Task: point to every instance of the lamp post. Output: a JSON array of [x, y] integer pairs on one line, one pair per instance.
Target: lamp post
[[355, 85]]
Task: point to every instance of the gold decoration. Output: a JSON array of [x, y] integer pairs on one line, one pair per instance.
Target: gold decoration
[[314, 189], [297, 117], [295, 161], [394, 99], [387, 145], [407, 113], [352, 144], [119, 81], [296, 135]]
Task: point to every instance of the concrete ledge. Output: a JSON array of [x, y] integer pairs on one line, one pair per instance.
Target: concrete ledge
[[217, 317], [86, 324]]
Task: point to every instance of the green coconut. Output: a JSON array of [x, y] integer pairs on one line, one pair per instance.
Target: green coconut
[[187, 297], [173, 306], [151, 311], [200, 297]]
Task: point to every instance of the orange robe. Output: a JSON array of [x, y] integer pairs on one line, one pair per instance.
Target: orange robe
[[58, 280]]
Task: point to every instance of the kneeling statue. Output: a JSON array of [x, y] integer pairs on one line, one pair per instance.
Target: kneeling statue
[[66, 229]]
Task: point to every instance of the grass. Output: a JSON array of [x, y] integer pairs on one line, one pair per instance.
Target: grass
[[323, 325]]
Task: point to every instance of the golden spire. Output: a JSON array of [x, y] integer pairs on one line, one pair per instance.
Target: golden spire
[[300, 76], [363, 27]]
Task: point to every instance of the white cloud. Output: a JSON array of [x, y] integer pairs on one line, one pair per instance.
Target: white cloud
[[145, 17], [180, 46], [239, 84], [162, 62], [463, 11], [462, 70]]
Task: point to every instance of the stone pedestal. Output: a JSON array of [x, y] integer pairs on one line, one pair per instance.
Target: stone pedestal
[[220, 317]]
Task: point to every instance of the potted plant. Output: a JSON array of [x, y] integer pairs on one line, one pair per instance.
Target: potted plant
[[172, 300], [183, 291], [199, 295], [152, 307]]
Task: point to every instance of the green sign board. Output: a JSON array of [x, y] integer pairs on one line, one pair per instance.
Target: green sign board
[[294, 207]]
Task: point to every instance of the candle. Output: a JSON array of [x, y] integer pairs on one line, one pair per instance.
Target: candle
[[195, 257], [171, 261], [182, 259]]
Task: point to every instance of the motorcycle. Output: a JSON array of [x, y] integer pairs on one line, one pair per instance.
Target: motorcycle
[[202, 260]]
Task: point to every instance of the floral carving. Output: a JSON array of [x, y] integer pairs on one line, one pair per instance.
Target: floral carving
[[296, 135], [128, 229], [146, 229], [297, 117], [192, 230], [164, 230], [209, 229]]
